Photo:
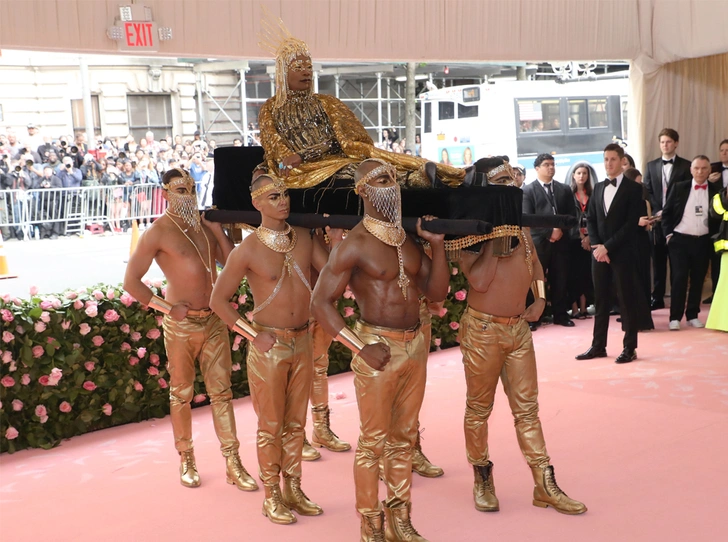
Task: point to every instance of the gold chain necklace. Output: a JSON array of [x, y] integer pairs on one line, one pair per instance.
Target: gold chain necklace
[[278, 241], [394, 236], [207, 265]]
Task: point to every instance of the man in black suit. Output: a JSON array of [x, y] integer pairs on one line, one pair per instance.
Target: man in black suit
[[661, 175], [687, 227], [545, 196], [613, 218], [719, 176]]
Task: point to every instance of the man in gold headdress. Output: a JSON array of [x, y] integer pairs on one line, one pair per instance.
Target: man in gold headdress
[[313, 137], [191, 329]]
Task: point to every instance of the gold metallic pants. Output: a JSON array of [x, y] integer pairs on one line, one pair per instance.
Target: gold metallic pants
[[280, 380], [426, 322], [203, 336], [491, 350], [389, 405], [320, 382]]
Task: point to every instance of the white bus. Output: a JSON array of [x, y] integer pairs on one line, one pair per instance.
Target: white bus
[[573, 121]]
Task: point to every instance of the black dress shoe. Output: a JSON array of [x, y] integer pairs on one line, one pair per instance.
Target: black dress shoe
[[627, 355], [533, 326], [656, 305], [566, 322], [593, 353], [708, 300]]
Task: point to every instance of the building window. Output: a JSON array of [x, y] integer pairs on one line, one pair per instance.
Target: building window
[[539, 115], [79, 116], [150, 112]]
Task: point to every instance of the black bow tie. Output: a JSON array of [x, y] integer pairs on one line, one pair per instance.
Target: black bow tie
[[670, 161], [613, 182], [725, 167]]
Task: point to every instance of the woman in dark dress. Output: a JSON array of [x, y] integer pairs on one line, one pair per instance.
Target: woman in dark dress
[[581, 287]]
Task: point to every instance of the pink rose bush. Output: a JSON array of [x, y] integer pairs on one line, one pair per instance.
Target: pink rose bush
[[111, 316], [107, 409], [65, 407], [98, 340]]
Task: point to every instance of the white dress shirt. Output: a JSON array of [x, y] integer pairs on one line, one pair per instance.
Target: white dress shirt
[[725, 175], [609, 193], [695, 217], [666, 172]]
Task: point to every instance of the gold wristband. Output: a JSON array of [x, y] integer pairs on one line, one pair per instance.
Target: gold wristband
[[243, 328], [539, 289], [348, 338], [157, 303]]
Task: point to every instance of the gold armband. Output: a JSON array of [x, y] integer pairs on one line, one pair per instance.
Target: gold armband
[[243, 328], [157, 303], [539, 289], [348, 338]]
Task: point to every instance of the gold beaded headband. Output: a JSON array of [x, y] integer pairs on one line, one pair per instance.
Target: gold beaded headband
[[184, 178], [384, 169], [505, 166], [276, 185]]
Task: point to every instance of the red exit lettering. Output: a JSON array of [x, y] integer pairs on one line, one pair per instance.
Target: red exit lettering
[[138, 34]]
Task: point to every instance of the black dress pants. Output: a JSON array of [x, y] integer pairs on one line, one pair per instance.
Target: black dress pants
[[689, 255], [659, 263], [554, 258], [619, 275]]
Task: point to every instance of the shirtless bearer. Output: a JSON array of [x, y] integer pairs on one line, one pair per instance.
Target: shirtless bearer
[[496, 341], [277, 262], [387, 272], [186, 250]]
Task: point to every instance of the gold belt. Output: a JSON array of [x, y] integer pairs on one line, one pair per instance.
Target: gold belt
[[285, 332], [483, 317], [199, 313], [390, 333]]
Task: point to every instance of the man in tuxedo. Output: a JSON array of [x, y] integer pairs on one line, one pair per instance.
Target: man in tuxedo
[[548, 197], [687, 227], [613, 218], [661, 175], [719, 176]]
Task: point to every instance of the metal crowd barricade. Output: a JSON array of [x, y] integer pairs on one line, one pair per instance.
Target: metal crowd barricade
[[42, 212]]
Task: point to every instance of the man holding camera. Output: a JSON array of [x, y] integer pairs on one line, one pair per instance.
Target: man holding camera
[[48, 207]]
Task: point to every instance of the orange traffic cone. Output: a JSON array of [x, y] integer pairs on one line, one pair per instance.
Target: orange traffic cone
[[134, 237], [4, 271]]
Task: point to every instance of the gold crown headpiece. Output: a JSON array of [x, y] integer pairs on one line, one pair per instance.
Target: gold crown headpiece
[[276, 185], [184, 178], [384, 168], [278, 41]]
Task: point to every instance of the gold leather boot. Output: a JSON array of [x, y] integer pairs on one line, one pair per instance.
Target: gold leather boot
[[274, 509], [309, 453], [188, 475], [484, 489], [323, 436], [546, 492], [372, 528], [420, 464], [398, 525], [237, 475], [295, 499]]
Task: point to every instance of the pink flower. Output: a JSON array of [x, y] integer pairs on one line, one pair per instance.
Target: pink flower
[[44, 380], [242, 299], [90, 366], [65, 407], [33, 290], [234, 305], [107, 409], [162, 383], [157, 283], [348, 311], [6, 298], [125, 347], [454, 325], [141, 352], [25, 380], [46, 304], [340, 395], [153, 371], [110, 294], [41, 411], [138, 386], [7, 315], [136, 336], [438, 341], [7, 356], [7, 336], [39, 327], [348, 294], [111, 316], [78, 304], [442, 312], [235, 367], [66, 325], [126, 299], [89, 386], [98, 340], [236, 347], [147, 282], [11, 433], [55, 376], [17, 405], [84, 329], [98, 294], [154, 359], [153, 334], [55, 302], [199, 398], [92, 311], [124, 328], [17, 302], [159, 319], [133, 360], [249, 316], [460, 295], [164, 292], [71, 295], [454, 271], [38, 351], [7, 381]]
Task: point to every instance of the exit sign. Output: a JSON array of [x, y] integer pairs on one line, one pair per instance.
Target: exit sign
[[134, 30]]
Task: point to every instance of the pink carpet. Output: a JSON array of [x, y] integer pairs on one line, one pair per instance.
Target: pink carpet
[[642, 444]]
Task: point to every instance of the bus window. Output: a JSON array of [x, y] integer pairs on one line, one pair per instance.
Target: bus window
[[447, 110], [577, 115], [598, 113], [467, 111], [539, 115], [428, 117]]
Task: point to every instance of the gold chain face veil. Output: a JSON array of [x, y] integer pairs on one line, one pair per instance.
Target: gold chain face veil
[[184, 205], [386, 200]]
